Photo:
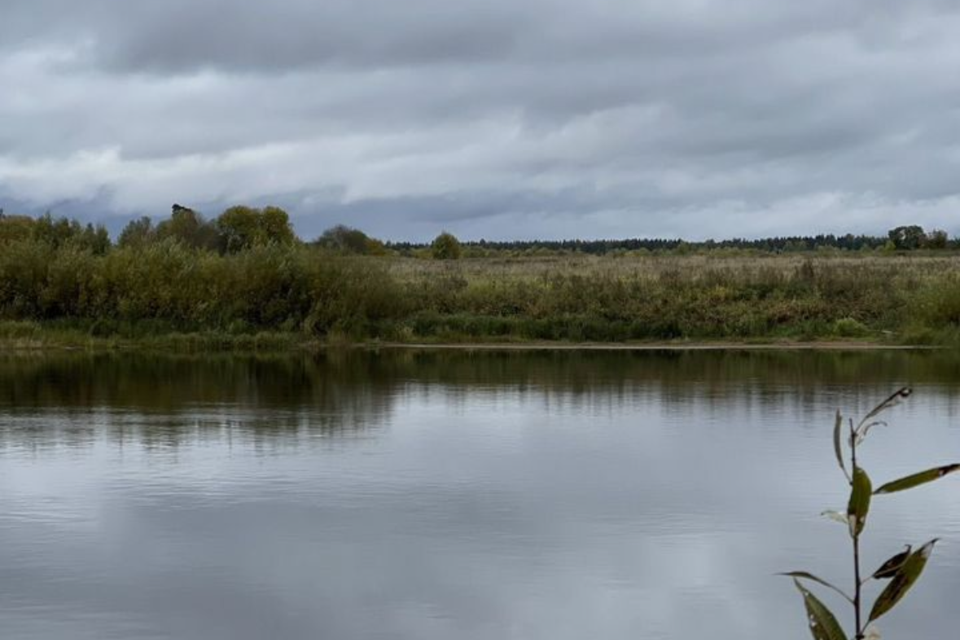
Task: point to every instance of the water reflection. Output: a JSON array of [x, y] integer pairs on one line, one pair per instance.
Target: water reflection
[[73, 398], [440, 494]]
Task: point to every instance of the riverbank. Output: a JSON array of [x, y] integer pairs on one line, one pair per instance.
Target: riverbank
[[167, 296], [839, 345], [35, 337]]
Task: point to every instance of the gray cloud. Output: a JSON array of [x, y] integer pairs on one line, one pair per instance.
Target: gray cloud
[[493, 119]]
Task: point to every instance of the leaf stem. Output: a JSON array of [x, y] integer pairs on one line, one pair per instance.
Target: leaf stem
[[856, 596], [856, 545]]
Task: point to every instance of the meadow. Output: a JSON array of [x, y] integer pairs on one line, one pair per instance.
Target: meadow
[[275, 296]]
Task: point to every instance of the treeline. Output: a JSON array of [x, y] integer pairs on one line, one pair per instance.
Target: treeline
[[55, 233], [241, 227], [906, 238], [236, 229]]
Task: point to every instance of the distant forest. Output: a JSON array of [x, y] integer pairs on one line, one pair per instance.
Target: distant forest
[[905, 238]]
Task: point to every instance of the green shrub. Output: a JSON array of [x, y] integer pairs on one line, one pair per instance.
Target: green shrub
[[850, 328], [445, 247]]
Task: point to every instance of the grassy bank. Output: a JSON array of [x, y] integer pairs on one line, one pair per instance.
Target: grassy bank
[[25, 337], [167, 296], [73, 335]]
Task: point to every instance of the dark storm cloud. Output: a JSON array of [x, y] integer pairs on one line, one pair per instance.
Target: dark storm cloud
[[612, 117]]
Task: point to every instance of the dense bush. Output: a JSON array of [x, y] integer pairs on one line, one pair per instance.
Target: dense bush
[[445, 247]]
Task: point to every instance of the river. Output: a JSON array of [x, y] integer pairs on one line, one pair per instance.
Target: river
[[457, 494]]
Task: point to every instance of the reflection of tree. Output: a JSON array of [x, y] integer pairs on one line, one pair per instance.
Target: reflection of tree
[[159, 401], [716, 377]]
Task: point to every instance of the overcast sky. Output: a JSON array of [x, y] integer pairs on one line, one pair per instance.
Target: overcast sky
[[489, 118]]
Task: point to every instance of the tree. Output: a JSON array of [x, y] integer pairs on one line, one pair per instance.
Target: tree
[[907, 238], [188, 227], [344, 239], [55, 232], [348, 240], [63, 232], [936, 239], [445, 247], [15, 228], [137, 233], [95, 239], [238, 227], [243, 227], [275, 226]]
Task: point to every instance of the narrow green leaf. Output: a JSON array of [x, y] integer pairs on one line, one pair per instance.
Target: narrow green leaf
[[892, 401], [823, 624], [809, 576], [915, 480], [859, 505], [904, 579], [890, 568], [838, 427]]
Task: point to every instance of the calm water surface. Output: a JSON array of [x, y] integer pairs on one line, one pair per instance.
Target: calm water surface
[[439, 495]]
